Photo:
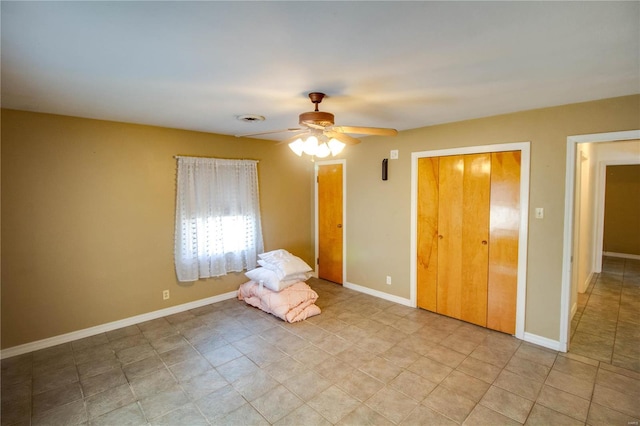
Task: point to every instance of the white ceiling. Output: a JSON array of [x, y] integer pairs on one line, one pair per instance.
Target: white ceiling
[[198, 65]]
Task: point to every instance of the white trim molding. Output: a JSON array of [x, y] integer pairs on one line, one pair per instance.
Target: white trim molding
[[543, 341], [621, 255], [524, 148], [92, 331], [380, 294]]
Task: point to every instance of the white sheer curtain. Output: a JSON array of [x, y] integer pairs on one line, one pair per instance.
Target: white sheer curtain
[[218, 226]]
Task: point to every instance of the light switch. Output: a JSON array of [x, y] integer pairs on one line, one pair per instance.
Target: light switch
[[539, 213], [393, 154]]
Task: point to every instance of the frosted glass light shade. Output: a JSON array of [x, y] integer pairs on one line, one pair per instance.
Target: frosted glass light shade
[[336, 146], [311, 145], [323, 150], [297, 146]]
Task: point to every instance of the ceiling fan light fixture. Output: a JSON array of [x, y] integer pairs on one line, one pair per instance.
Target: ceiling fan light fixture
[[335, 146], [323, 150], [297, 147], [311, 145]]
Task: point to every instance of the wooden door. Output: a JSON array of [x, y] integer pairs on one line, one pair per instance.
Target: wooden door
[[467, 237], [463, 234], [427, 229], [330, 226], [503, 241]]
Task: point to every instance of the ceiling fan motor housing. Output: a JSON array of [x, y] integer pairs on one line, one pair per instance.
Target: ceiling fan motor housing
[[319, 118]]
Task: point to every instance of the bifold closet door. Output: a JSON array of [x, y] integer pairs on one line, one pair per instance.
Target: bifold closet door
[[467, 237], [504, 240], [463, 233]]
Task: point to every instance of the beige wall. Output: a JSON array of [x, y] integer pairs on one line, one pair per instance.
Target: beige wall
[[88, 219], [378, 212], [622, 210], [87, 211]]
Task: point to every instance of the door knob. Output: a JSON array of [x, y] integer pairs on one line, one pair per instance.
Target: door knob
[[339, 225], [484, 242], [440, 237]]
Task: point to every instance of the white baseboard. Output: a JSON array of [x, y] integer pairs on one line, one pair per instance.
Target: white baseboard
[[544, 342], [92, 331], [585, 285], [622, 255], [380, 294]]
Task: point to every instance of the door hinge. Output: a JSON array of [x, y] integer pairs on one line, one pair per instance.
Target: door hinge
[[318, 261], [317, 179]]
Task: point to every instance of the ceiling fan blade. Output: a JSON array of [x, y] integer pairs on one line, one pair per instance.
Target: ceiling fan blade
[[342, 137], [366, 130], [312, 125], [292, 138], [291, 129]]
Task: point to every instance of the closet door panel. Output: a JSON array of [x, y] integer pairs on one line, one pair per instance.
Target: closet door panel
[[450, 219], [504, 231], [476, 188], [427, 241]]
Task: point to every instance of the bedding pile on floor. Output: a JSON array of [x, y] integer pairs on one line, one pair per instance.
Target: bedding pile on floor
[[278, 287]]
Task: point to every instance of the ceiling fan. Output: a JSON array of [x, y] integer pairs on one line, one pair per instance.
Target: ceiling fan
[[319, 136]]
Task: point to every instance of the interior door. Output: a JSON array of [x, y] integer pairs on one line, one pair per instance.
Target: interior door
[[504, 241], [463, 234], [468, 212], [330, 226]]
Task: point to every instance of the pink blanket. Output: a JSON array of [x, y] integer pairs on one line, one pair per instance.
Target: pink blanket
[[292, 304]]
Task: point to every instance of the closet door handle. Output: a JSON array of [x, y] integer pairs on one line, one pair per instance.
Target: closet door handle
[[484, 242], [440, 236], [339, 225]]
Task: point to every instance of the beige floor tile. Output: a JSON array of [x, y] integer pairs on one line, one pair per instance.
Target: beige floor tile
[[479, 369], [507, 403], [218, 404], [483, 416], [576, 368], [364, 360], [543, 416], [412, 385], [423, 415], [570, 384], [333, 404], [519, 385], [564, 402], [303, 415], [465, 385], [392, 404], [615, 400], [429, 369], [364, 415], [306, 385], [528, 369], [449, 403], [186, 415], [360, 385]]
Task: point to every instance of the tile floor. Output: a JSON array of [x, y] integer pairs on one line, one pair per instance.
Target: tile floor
[[606, 326], [364, 360]]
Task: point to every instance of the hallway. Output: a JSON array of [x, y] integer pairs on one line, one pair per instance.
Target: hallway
[[606, 325]]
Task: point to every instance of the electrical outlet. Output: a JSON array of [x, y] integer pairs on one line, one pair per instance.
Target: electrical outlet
[[393, 154], [165, 295], [388, 280], [539, 213]]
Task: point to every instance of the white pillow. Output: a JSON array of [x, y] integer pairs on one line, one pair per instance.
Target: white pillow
[[274, 255], [270, 279], [283, 263]]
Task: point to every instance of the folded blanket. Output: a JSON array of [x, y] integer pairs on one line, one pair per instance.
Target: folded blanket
[[294, 303]]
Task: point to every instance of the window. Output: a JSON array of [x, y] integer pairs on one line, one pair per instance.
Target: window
[[218, 226]]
